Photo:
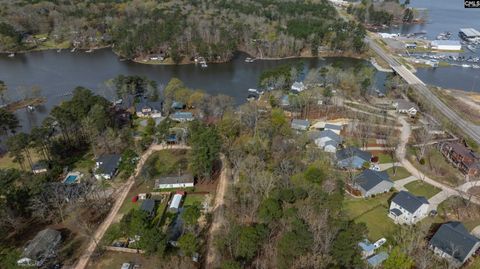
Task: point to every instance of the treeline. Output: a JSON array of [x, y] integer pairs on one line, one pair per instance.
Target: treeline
[[383, 13], [181, 30]]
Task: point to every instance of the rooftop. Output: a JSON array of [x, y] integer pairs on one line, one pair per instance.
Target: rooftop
[[185, 178], [368, 179], [42, 243], [446, 42], [409, 201], [470, 32], [107, 164], [454, 239], [353, 151], [148, 205], [377, 259]]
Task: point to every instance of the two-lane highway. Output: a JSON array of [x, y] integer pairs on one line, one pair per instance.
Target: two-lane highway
[[467, 127]]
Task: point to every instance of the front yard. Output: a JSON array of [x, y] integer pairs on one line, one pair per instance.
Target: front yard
[[420, 188], [373, 212], [400, 173]]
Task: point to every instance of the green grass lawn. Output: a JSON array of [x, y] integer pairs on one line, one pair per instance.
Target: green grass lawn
[[193, 198], [372, 212], [421, 188], [384, 158], [401, 173], [6, 161], [166, 162]]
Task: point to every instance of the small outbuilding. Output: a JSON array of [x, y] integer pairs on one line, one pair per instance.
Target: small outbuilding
[[39, 167], [175, 202], [148, 206]]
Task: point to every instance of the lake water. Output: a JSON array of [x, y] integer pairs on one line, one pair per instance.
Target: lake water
[[57, 74]]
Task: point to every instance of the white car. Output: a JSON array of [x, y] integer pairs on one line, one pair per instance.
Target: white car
[[127, 265]]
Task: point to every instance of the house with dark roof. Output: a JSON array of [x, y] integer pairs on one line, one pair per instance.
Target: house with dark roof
[[377, 260], [371, 182], [352, 158], [148, 206], [171, 182], [41, 248], [452, 241], [461, 157], [147, 108], [327, 140], [182, 116], [300, 125], [406, 208], [39, 167], [106, 166], [178, 105]]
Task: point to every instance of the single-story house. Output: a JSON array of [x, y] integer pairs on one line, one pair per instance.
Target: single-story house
[[175, 202], [405, 107], [42, 247], [284, 101], [453, 242], [407, 208], [352, 157], [171, 182], [367, 248], [333, 127], [146, 108], [371, 182], [300, 125], [106, 166], [182, 116], [148, 206], [327, 140], [178, 105], [39, 167], [298, 86], [378, 259]]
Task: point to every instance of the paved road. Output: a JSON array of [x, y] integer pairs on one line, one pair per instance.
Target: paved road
[[218, 215], [100, 232], [469, 128]]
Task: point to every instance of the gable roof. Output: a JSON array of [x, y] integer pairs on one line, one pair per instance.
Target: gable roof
[[42, 243], [403, 104], [182, 115], [378, 259], [332, 135], [453, 238], [148, 205], [185, 178], [333, 127], [300, 123], [107, 164], [368, 179], [145, 103], [409, 202], [351, 152]]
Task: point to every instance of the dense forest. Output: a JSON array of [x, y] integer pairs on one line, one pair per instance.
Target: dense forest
[[180, 30], [382, 12]]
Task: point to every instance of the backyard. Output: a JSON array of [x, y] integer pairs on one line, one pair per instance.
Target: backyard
[[165, 163], [420, 188], [372, 212]]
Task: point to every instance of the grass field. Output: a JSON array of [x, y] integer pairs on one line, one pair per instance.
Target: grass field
[[372, 212], [401, 173], [421, 188], [384, 158], [193, 198], [6, 161], [166, 162]]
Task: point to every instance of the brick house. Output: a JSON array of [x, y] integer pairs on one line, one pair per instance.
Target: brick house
[[463, 158]]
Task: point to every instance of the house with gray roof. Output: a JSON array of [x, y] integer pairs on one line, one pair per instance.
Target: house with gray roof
[[41, 248], [147, 108], [453, 242], [405, 107], [367, 248], [106, 166], [300, 125], [172, 182], [298, 87], [406, 208], [39, 167], [182, 116], [352, 158], [377, 260], [148, 206], [371, 182], [327, 140], [333, 127]]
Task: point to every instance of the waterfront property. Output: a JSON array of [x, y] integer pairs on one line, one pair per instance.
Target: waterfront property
[[406, 208], [453, 45], [453, 242], [300, 125], [469, 34], [171, 182], [352, 158], [463, 158], [371, 182], [41, 248], [146, 108], [106, 166], [182, 116], [405, 107]]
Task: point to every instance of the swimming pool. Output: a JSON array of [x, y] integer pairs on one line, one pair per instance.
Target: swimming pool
[[71, 178]]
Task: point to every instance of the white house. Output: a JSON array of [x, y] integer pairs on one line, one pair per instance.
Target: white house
[[453, 45], [453, 242], [298, 87], [327, 140], [407, 208], [171, 182], [405, 107]]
